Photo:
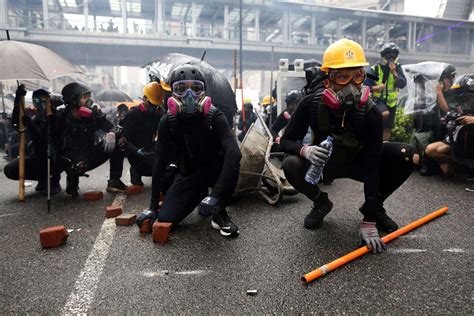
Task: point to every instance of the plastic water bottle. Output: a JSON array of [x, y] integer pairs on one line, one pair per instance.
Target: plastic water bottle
[[315, 172]]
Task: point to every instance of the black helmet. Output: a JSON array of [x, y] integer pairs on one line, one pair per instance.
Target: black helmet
[[389, 48], [448, 72], [293, 96], [186, 72], [73, 91], [464, 85]]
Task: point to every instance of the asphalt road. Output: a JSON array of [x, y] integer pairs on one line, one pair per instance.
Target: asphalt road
[[107, 269]]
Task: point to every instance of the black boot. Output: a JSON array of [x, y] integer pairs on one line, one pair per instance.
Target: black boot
[[115, 185], [72, 187], [135, 177], [41, 186], [429, 167], [322, 206], [383, 221]]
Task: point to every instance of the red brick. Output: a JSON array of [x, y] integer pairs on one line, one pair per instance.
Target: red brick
[[161, 231], [93, 196], [145, 229], [125, 219], [133, 189], [53, 236], [113, 211]]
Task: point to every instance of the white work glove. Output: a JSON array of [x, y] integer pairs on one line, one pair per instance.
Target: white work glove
[[318, 156], [109, 142], [370, 236]]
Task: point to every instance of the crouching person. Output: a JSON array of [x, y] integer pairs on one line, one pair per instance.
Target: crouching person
[[194, 140]]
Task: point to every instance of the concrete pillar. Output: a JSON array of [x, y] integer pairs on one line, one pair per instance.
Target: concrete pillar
[[124, 15], [413, 46], [363, 31], [313, 30], [4, 13], [410, 37], [159, 17], [45, 14], [386, 36], [338, 28], [193, 20], [286, 27], [469, 43], [86, 15], [226, 22], [450, 37], [257, 25]]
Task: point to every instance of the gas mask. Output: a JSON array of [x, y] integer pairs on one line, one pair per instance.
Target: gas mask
[[188, 98], [349, 97], [40, 106]]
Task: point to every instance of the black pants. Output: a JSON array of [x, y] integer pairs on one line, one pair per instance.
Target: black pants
[[95, 157], [142, 165], [35, 169], [395, 168], [187, 191]]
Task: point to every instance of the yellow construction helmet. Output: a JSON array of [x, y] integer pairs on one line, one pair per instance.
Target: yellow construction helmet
[[343, 53], [267, 100], [165, 86], [247, 100], [154, 93]]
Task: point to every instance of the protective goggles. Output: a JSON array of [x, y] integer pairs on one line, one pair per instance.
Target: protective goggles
[[344, 76], [181, 87]]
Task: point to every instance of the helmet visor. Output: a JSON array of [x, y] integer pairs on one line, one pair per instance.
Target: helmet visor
[[181, 87], [344, 76]]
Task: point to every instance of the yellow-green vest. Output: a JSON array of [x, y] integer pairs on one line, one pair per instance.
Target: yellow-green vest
[[390, 93]]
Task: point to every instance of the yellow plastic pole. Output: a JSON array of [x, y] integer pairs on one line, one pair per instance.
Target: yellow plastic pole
[[325, 269]]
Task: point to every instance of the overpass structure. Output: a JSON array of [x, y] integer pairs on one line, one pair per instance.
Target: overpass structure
[[134, 32]]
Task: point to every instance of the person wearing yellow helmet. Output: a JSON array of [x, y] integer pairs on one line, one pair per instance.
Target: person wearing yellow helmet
[[140, 126], [344, 111], [269, 110]]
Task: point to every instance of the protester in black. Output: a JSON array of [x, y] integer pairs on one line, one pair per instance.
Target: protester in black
[[140, 127], [36, 124], [196, 143], [89, 140], [345, 111], [292, 100]]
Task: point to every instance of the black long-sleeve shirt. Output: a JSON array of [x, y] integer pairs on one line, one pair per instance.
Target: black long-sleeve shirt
[[370, 139], [280, 123], [193, 147], [140, 128]]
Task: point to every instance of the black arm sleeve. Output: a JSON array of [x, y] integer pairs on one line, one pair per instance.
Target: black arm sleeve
[[225, 185], [373, 152], [401, 81], [129, 122], [279, 124], [163, 157], [104, 124], [297, 127]]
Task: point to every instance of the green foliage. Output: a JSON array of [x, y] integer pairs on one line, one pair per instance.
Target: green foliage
[[403, 130]]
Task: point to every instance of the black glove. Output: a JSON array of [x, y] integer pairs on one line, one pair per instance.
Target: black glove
[[21, 91], [209, 206], [149, 215]]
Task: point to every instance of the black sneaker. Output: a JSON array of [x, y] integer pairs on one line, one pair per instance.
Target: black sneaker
[[115, 185], [72, 187], [41, 186], [384, 222], [55, 188], [135, 177], [322, 206], [223, 222]]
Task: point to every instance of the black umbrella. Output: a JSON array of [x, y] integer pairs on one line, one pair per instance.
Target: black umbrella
[[217, 86], [112, 96]]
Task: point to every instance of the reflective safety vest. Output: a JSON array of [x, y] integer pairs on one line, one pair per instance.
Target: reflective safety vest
[[390, 93]]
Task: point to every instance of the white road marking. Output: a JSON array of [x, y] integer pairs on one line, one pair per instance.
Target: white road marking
[[166, 272], [455, 250], [81, 298], [11, 214], [406, 250]]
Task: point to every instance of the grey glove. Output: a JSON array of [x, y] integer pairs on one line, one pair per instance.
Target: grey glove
[[316, 155], [109, 142], [370, 236]]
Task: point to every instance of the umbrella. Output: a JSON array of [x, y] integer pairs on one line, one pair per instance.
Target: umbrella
[[218, 88], [112, 96], [23, 61]]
